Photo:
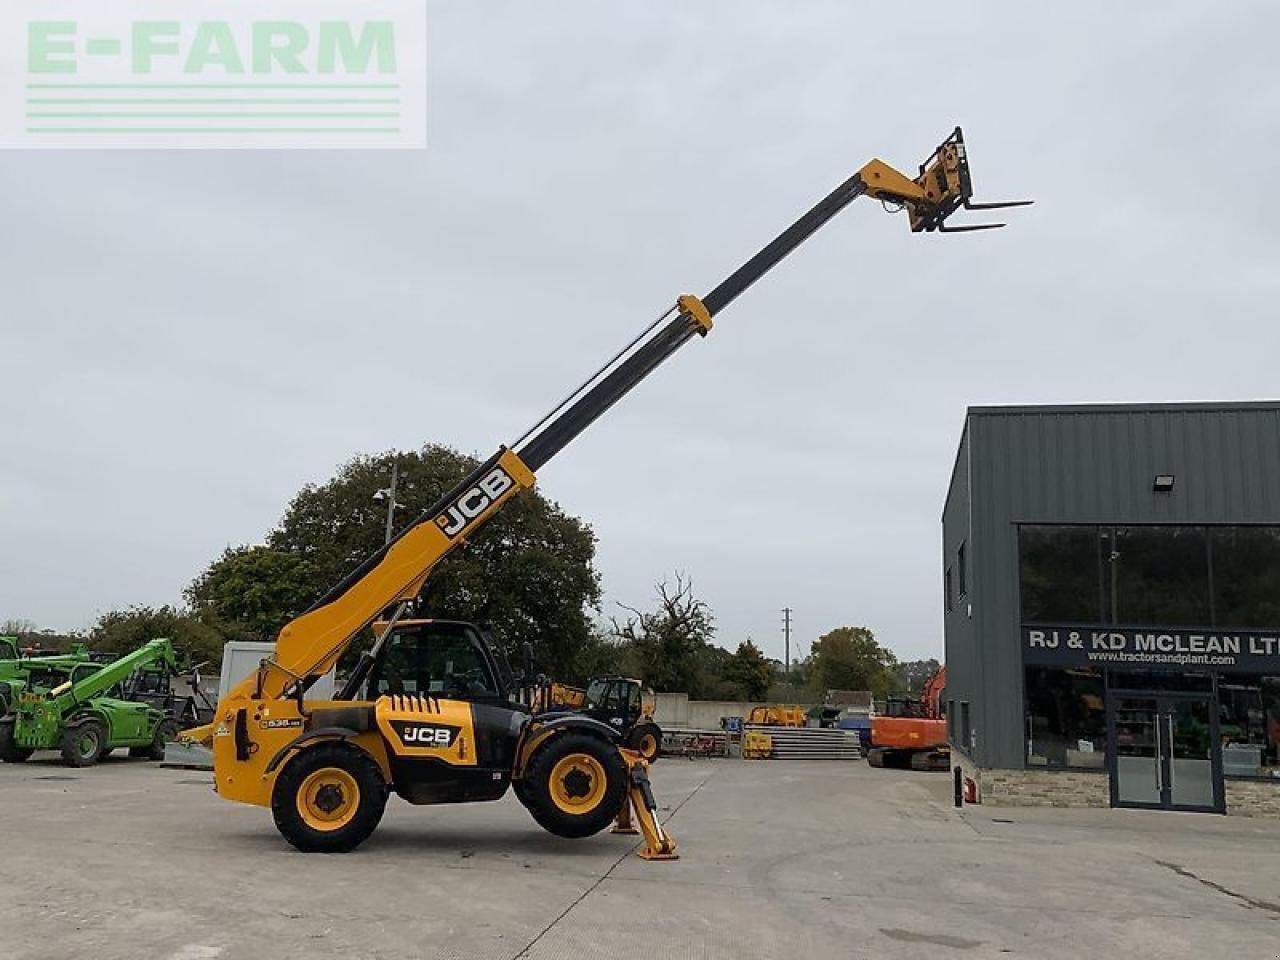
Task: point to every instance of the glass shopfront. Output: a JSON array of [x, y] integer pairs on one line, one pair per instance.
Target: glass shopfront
[[1153, 652]]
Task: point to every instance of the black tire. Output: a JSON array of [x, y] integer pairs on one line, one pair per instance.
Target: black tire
[[10, 752], [646, 739], [83, 743], [521, 789], [347, 768], [167, 730], [577, 761]]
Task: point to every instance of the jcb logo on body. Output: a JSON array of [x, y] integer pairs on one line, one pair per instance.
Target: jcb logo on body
[[426, 734], [474, 501]]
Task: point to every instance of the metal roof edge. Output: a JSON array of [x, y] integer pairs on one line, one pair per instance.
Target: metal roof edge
[[1205, 406]]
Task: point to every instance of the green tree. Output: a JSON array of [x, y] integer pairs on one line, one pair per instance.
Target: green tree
[[528, 571], [849, 658], [749, 672], [670, 643], [913, 674], [604, 654], [123, 631], [32, 638], [251, 592]]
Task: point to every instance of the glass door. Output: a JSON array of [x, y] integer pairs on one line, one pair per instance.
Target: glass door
[[1165, 752], [1138, 779], [1190, 748]]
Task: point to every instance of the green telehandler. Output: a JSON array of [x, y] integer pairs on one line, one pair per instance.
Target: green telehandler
[[81, 718], [17, 671]]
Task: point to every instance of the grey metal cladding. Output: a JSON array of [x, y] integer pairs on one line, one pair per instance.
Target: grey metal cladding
[[1082, 464]]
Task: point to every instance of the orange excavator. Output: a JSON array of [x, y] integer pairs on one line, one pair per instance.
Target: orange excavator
[[912, 732]]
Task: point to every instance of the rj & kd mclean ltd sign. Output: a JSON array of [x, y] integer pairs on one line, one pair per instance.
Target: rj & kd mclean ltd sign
[[1253, 650]]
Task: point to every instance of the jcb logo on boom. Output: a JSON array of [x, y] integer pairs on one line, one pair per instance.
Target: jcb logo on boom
[[426, 735], [474, 502]]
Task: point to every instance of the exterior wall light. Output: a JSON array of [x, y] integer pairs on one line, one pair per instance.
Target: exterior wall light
[[1163, 483]]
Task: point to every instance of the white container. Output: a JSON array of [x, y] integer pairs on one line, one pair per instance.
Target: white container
[[240, 658]]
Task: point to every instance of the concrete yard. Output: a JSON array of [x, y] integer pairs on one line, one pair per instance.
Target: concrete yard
[[132, 861]]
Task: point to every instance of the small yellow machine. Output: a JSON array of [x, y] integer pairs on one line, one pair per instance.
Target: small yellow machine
[[756, 745], [430, 712], [775, 715]]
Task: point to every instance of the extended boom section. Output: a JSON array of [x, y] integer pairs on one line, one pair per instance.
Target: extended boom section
[[448, 724]]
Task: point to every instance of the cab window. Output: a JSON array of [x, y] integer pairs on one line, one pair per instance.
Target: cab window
[[616, 697], [596, 691], [441, 660]]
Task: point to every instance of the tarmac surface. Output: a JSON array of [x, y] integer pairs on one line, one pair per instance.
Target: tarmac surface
[[779, 859]]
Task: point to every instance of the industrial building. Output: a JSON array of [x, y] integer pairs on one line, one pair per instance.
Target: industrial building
[[1112, 605]]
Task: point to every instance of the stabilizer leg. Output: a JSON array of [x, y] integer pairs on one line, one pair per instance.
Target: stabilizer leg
[[658, 844]]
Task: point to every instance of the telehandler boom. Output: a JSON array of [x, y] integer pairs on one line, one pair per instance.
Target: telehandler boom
[[427, 712]]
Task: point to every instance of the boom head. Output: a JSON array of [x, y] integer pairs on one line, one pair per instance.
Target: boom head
[[947, 185], [942, 187]]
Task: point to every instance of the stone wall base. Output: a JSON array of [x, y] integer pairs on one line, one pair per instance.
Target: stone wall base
[[1083, 788], [1038, 788], [1247, 798]]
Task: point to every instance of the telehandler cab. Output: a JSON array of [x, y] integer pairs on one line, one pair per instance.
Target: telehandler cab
[[621, 702], [428, 711]]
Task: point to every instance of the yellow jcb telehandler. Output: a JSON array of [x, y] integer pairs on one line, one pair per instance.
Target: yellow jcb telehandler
[[430, 712]]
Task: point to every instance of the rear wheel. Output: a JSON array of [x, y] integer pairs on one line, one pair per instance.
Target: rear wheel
[[646, 740], [575, 784], [83, 743], [329, 798], [10, 752]]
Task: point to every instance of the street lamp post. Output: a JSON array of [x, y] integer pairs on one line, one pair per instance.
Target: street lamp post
[[389, 494]]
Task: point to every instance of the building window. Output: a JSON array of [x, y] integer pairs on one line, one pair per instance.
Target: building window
[[966, 739], [1249, 725], [1066, 721], [1161, 576], [946, 585], [962, 576], [951, 720], [1153, 576], [1060, 574], [1245, 563]]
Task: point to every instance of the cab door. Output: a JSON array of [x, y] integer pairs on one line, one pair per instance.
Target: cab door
[[449, 663]]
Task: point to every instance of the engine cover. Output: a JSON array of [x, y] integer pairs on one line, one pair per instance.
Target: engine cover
[[448, 751]]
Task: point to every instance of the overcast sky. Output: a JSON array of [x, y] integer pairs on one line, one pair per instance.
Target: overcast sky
[[190, 337]]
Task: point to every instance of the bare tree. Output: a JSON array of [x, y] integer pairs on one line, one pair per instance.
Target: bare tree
[[670, 641]]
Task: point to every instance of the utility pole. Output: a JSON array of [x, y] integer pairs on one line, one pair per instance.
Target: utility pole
[[786, 637], [389, 494]]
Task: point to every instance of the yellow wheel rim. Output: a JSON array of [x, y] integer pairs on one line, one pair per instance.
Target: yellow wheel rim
[[328, 799], [648, 746], [578, 783]]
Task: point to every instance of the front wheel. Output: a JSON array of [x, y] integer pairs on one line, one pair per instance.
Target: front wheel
[[329, 798], [10, 752], [83, 743], [646, 740], [575, 785], [166, 730]]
